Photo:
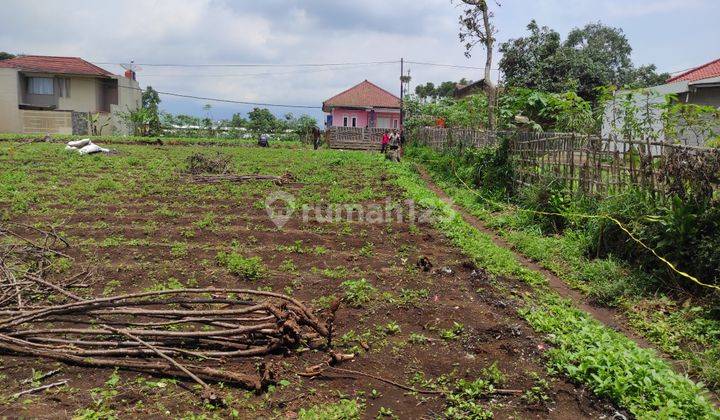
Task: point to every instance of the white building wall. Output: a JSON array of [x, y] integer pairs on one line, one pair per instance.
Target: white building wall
[[10, 121]]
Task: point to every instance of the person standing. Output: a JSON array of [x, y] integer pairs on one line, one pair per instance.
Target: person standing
[[316, 137], [395, 146], [385, 142]]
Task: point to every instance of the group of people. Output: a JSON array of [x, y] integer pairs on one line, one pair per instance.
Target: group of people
[[392, 142]]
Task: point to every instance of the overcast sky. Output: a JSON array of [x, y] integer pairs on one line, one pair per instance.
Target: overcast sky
[[674, 34]]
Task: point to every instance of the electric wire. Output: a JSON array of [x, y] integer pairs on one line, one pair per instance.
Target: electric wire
[[229, 101]]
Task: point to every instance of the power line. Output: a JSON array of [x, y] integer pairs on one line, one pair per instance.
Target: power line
[[230, 101], [257, 74], [252, 64], [421, 63], [286, 65]]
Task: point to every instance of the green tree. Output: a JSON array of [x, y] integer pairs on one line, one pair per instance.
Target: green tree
[[591, 57], [647, 76], [426, 91], [445, 90], [262, 120], [150, 103], [305, 125], [238, 121], [531, 61], [5, 55], [188, 120]]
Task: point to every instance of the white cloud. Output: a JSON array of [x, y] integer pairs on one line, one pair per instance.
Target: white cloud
[[301, 31], [650, 7]]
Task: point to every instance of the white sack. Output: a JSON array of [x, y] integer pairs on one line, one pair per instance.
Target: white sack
[[92, 148], [79, 143]]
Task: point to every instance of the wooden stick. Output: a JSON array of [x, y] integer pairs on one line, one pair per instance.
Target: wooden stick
[[161, 354], [38, 389]]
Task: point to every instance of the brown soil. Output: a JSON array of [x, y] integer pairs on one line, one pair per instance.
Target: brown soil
[[608, 316], [493, 331]]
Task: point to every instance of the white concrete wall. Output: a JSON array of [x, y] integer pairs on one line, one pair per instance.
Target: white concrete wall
[[656, 96], [129, 99], [83, 95], [10, 121]]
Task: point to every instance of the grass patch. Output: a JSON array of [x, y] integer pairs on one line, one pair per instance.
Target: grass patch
[[251, 268], [358, 292], [607, 362], [342, 410]]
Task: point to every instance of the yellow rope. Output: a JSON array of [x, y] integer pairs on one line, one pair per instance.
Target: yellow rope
[[592, 216]]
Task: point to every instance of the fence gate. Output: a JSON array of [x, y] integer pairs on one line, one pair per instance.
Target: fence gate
[[354, 138]]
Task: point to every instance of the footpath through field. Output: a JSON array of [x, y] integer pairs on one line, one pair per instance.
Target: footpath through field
[[607, 316]]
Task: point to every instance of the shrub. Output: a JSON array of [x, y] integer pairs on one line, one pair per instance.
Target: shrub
[[684, 232], [248, 268], [358, 292]]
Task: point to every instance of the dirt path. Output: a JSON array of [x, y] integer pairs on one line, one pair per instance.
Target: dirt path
[[608, 316]]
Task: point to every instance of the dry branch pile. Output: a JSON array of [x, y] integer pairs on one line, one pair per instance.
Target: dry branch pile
[[24, 263], [154, 331], [199, 163], [211, 170]]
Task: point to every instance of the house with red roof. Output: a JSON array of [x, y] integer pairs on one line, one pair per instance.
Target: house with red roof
[[699, 86], [365, 105], [53, 95]]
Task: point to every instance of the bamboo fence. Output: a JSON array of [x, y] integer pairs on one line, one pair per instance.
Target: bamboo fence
[[592, 164], [355, 138]]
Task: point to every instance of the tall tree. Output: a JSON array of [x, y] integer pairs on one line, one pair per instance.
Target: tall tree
[[476, 28], [445, 90], [262, 120], [238, 121], [531, 61], [593, 56], [6, 55], [425, 91], [150, 103]]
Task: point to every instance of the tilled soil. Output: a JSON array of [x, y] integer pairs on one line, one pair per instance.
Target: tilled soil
[[128, 247]]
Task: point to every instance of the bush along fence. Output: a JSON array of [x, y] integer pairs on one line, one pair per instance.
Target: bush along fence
[[592, 164]]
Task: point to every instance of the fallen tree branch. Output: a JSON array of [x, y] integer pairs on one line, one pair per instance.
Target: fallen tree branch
[[38, 389], [387, 381]]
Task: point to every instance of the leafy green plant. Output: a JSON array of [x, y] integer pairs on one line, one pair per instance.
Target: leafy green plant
[[367, 250], [288, 266], [463, 402], [251, 268], [453, 332], [416, 338], [358, 292], [391, 328], [537, 395], [179, 249], [609, 363], [342, 410]]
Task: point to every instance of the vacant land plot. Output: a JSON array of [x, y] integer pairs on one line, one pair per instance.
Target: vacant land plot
[[136, 222]]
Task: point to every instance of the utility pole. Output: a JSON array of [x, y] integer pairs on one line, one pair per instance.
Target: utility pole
[[402, 89]]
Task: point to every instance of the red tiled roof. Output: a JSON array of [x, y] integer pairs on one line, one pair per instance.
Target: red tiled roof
[[363, 95], [711, 69], [57, 65]]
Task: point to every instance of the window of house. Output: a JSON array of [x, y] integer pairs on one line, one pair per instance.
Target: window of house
[[41, 86], [345, 121], [64, 87], [395, 123], [354, 121]]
